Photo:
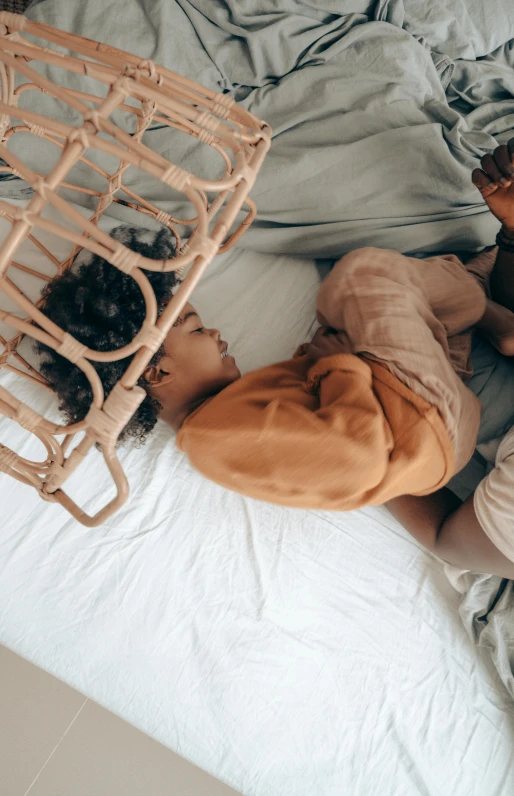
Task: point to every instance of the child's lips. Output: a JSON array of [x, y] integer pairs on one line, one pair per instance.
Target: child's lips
[[223, 350]]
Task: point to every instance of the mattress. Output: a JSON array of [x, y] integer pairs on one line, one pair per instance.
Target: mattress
[[284, 651]]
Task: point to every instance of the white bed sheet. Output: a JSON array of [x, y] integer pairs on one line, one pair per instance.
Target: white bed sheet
[[286, 652]]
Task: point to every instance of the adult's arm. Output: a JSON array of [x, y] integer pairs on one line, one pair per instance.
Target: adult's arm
[[502, 276]]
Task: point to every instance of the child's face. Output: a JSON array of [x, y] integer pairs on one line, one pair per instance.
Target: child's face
[[196, 364]]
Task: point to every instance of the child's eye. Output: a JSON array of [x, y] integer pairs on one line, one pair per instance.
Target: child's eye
[[198, 330]]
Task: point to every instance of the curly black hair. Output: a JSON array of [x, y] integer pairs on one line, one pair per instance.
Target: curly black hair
[[103, 308]]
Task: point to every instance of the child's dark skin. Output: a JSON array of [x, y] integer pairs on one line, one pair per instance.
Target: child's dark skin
[[196, 365]]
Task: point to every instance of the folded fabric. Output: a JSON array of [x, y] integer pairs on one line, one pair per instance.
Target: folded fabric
[[368, 148]]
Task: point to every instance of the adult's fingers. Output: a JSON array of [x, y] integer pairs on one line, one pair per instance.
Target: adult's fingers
[[483, 182], [490, 167], [503, 160]]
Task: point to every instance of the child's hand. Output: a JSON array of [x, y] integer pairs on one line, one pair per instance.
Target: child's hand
[[327, 342], [495, 181]]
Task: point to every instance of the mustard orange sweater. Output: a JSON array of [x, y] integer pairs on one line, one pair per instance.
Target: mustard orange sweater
[[339, 434]]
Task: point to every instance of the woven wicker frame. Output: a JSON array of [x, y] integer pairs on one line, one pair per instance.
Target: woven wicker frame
[[164, 97]]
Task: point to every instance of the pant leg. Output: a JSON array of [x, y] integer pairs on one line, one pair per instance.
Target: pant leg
[[382, 300], [450, 293], [481, 265], [493, 383], [445, 304]]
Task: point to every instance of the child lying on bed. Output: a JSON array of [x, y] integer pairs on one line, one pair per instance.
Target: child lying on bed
[[357, 417]]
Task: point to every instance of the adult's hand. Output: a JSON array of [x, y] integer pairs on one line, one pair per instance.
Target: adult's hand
[[495, 181]]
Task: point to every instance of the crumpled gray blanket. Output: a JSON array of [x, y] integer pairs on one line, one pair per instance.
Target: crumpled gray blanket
[[487, 611], [380, 109]]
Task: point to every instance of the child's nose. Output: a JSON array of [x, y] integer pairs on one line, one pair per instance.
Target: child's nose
[[215, 334]]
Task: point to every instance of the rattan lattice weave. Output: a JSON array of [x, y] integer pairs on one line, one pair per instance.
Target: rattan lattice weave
[[149, 94]]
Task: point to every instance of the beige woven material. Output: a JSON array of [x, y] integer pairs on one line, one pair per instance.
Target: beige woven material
[[160, 96]]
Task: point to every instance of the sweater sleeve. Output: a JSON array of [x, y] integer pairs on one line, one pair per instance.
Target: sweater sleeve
[[310, 436]]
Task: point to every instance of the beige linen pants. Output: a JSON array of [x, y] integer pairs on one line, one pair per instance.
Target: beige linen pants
[[414, 316]]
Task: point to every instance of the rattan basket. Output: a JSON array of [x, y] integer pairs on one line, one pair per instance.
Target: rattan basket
[[150, 95]]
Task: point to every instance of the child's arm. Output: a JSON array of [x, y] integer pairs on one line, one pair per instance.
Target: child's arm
[[301, 432], [495, 181], [451, 530], [310, 433]]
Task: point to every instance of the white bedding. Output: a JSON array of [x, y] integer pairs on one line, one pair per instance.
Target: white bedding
[[287, 652]]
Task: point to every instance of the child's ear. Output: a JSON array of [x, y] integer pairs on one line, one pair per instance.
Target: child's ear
[[158, 375]]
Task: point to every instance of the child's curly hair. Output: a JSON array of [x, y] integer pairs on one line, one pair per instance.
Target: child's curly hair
[[104, 309]]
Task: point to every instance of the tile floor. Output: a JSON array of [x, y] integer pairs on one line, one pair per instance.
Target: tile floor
[[54, 742]]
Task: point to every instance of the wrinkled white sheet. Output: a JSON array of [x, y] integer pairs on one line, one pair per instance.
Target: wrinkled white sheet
[[286, 652]]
